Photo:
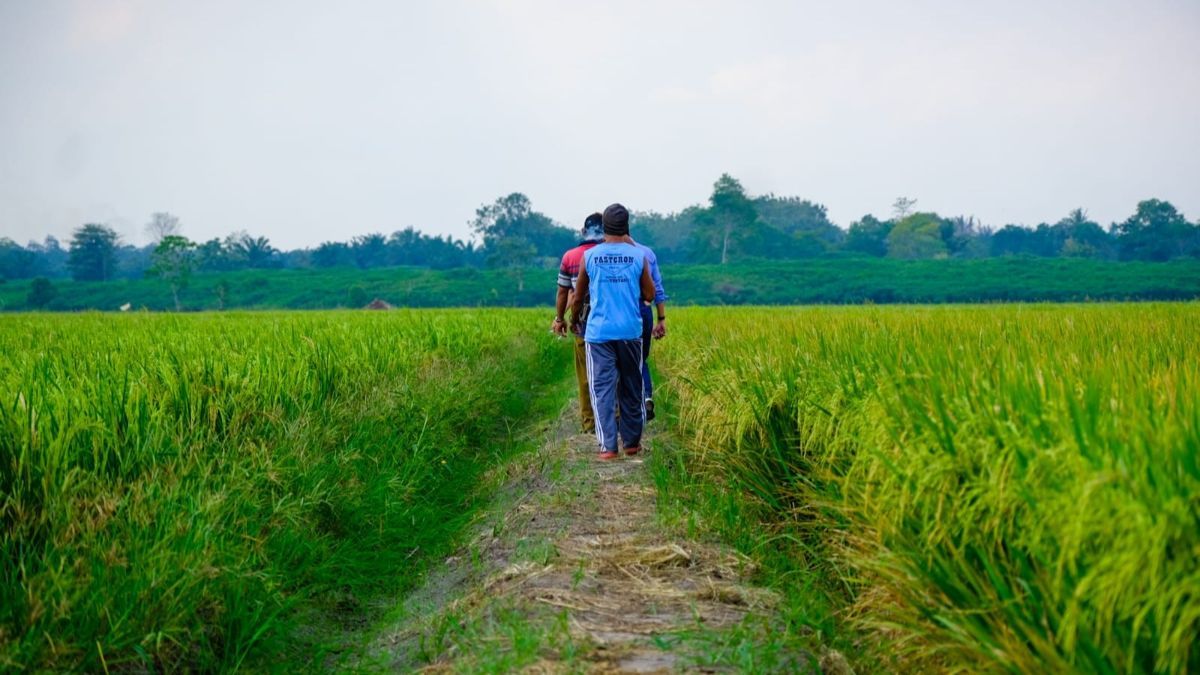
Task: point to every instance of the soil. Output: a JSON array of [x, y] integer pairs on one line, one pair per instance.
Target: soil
[[574, 556]]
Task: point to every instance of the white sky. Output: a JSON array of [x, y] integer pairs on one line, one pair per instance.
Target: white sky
[[309, 121]]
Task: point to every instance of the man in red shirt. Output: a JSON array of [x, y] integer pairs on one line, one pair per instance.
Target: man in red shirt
[[568, 274]]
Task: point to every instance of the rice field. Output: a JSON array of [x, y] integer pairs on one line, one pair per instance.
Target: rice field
[[986, 488], [207, 492], [972, 488]]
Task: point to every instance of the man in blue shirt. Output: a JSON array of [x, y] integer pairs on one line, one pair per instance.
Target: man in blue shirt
[[649, 328], [615, 278]]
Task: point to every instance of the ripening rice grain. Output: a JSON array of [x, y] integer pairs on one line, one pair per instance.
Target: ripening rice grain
[[1000, 488]]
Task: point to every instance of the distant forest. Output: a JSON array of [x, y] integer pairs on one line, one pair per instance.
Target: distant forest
[[732, 227]]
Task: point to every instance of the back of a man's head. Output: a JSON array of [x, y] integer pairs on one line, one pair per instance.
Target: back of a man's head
[[616, 220], [593, 228]]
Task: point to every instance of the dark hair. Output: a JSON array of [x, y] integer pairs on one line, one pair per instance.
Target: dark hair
[[594, 220]]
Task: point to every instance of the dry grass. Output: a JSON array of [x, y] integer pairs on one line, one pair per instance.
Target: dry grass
[[608, 586]]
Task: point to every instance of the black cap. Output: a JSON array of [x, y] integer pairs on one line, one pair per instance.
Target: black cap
[[616, 220]]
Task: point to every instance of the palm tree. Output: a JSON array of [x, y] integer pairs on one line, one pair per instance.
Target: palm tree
[[256, 251]]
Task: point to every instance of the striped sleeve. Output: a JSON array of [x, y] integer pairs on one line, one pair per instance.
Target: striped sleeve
[[564, 272]]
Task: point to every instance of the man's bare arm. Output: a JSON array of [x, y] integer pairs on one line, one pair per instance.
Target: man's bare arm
[[647, 283], [560, 307], [560, 303]]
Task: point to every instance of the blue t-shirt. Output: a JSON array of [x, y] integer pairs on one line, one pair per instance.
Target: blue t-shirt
[[614, 272]]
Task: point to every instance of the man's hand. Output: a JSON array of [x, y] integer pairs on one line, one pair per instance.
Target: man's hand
[[660, 329], [559, 327]]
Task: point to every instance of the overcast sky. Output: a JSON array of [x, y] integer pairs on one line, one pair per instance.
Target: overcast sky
[[312, 121]]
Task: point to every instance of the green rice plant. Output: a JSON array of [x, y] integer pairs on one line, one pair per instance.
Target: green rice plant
[[1002, 488], [205, 492]]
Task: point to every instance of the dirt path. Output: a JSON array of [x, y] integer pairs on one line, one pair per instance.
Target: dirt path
[[572, 572]]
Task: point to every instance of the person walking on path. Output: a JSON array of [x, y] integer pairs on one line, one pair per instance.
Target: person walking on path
[[615, 278], [591, 234], [650, 329]]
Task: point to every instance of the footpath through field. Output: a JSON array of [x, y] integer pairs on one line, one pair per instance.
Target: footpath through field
[[571, 571]]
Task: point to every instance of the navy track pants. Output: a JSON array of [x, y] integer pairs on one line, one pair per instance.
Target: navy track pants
[[615, 376]]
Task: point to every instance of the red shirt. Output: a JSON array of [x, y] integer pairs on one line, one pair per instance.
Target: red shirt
[[568, 274], [568, 271]]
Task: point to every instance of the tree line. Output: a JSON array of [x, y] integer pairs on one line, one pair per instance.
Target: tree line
[[732, 226], [96, 253], [736, 226]]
